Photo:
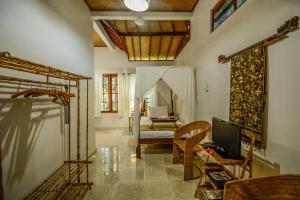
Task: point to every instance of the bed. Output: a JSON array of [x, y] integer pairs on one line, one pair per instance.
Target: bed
[[160, 133], [180, 81]]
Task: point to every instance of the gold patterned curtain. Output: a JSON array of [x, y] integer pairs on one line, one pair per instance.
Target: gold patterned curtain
[[247, 89]]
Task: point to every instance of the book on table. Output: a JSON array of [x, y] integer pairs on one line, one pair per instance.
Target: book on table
[[218, 176], [213, 194]]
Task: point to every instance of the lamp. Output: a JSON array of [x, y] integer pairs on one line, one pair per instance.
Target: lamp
[[137, 5], [139, 21]]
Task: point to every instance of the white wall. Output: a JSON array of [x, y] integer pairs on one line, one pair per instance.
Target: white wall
[[107, 61], [254, 20], [56, 33]]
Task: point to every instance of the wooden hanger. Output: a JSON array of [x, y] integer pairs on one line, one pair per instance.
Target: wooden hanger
[[60, 97]]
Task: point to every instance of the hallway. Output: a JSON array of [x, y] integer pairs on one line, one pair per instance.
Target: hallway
[[117, 174]]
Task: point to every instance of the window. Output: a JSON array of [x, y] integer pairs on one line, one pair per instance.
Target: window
[[222, 10], [110, 93]]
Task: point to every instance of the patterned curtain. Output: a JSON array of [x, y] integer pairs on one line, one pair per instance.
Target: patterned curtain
[[247, 89]]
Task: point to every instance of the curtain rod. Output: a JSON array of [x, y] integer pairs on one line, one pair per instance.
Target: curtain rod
[[289, 26]]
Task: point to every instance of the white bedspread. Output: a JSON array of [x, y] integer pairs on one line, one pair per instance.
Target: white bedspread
[[156, 134]]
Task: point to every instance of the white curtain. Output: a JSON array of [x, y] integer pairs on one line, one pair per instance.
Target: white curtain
[[180, 79], [122, 95], [98, 94], [131, 91], [153, 96], [164, 91]]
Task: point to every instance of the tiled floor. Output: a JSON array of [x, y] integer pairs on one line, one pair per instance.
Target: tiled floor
[[118, 175]]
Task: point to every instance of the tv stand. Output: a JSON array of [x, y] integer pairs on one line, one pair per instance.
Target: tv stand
[[222, 152], [219, 163]]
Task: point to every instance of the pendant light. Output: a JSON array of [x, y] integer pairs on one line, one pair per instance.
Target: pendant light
[[139, 21], [137, 5]]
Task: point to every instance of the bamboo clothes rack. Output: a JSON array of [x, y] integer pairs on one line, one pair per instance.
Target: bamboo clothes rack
[[66, 182], [289, 26]]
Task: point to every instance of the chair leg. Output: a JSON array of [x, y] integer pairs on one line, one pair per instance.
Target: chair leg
[[188, 164], [198, 189], [138, 151], [176, 153]]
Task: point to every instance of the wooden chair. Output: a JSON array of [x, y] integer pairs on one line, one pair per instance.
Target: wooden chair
[[247, 166], [189, 145], [279, 187]]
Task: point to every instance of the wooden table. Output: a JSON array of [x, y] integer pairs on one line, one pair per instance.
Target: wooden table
[[163, 120], [130, 122], [219, 159], [219, 162]]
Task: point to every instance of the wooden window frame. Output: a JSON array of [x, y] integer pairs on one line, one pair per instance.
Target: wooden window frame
[[216, 8], [110, 93]]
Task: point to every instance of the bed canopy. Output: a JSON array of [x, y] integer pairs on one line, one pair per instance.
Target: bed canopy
[[181, 81]]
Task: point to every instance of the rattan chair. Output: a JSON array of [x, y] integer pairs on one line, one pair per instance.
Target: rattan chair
[[189, 146], [281, 187]]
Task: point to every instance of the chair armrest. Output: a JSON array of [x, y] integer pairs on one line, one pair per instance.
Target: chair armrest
[[180, 132], [205, 126]]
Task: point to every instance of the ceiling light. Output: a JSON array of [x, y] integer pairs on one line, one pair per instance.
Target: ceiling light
[[139, 21], [137, 5]]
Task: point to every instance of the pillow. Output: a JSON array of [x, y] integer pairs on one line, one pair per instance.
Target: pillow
[[163, 112], [158, 112], [151, 111]]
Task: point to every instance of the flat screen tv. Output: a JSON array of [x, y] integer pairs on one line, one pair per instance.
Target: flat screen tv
[[227, 137]]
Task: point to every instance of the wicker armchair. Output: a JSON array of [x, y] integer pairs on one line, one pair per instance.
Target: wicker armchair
[[189, 146], [279, 187]]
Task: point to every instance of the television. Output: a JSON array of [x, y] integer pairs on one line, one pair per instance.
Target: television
[[227, 137]]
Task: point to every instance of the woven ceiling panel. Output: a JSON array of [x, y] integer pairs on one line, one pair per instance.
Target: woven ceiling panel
[[166, 26], [98, 42], [131, 26], [136, 47], [144, 28], [154, 50], [130, 51], [155, 40], [155, 5], [165, 43], [176, 41], [154, 26], [145, 47], [181, 26], [120, 25], [150, 26]]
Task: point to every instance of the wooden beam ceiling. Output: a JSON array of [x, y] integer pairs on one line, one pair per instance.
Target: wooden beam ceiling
[[155, 5], [155, 40]]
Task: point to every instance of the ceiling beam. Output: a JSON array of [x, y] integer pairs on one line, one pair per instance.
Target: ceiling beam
[[153, 34], [102, 33], [153, 16]]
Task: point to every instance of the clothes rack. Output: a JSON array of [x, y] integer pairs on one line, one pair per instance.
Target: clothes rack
[[66, 182]]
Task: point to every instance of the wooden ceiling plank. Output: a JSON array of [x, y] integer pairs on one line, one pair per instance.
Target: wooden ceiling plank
[[131, 41], [147, 16], [124, 40], [169, 48], [113, 34], [153, 33], [98, 42], [155, 5], [160, 41], [149, 51], [140, 43]]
